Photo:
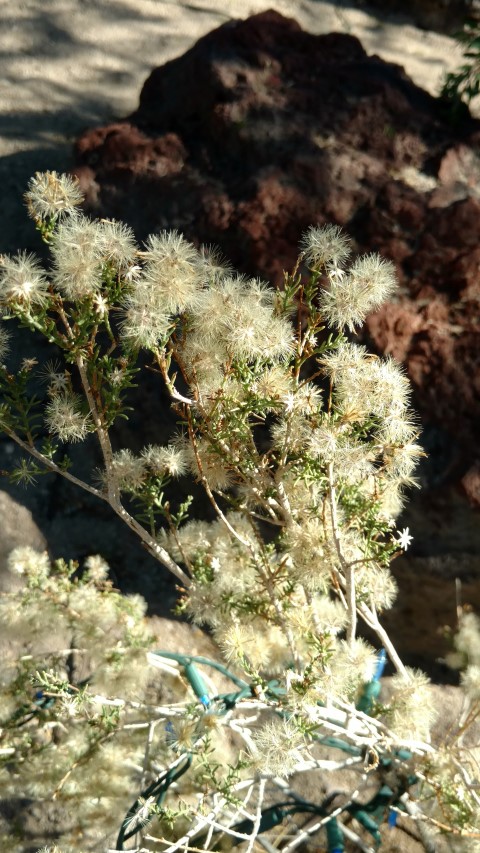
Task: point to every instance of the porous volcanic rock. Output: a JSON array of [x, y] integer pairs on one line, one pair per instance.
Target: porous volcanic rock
[[262, 129]]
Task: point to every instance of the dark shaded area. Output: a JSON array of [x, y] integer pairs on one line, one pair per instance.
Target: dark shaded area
[[75, 523]]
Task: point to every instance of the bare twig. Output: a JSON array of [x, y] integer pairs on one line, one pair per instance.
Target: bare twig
[[347, 567]]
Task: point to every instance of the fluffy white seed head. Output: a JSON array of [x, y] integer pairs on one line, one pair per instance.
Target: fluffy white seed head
[[290, 434], [204, 461], [412, 710], [212, 306], [323, 442], [127, 470], [305, 399], [401, 461], [308, 551], [203, 362], [243, 641], [325, 245], [377, 585], [172, 270], [194, 537], [119, 244], [65, 419], [52, 195], [374, 279], [240, 314], [254, 333], [171, 460], [97, 568], [467, 638], [77, 257], [144, 323], [391, 498], [278, 745], [347, 299], [471, 682], [353, 666], [212, 265], [397, 427], [353, 461], [25, 560], [22, 280], [322, 614], [345, 357], [274, 384], [366, 385]]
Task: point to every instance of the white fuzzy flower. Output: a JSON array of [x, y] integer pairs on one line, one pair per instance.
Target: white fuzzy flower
[[171, 270], [171, 459], [411, 707], [348, 299], [128, 470], [133, 273], [240, 314], [205, 461], [97, 568], [101, 306], [366, 385], [22, 280], [467, 639], [327, 244], [471, 682], [25, 560], [212, 265], [50, 194], [65, 419], [118, 245], [144, 322], [278, 744], [77, 257]]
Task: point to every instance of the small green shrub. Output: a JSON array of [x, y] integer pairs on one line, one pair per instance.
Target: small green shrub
[[463, 85]]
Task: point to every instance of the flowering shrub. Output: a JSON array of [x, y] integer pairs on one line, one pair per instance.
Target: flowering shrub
[[304, 444]]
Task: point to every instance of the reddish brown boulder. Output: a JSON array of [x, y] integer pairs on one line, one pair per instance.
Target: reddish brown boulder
[[262, 129], [258, 131]]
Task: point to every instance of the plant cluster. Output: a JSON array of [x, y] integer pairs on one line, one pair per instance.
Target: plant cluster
[[463, 85], [304, 445]]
